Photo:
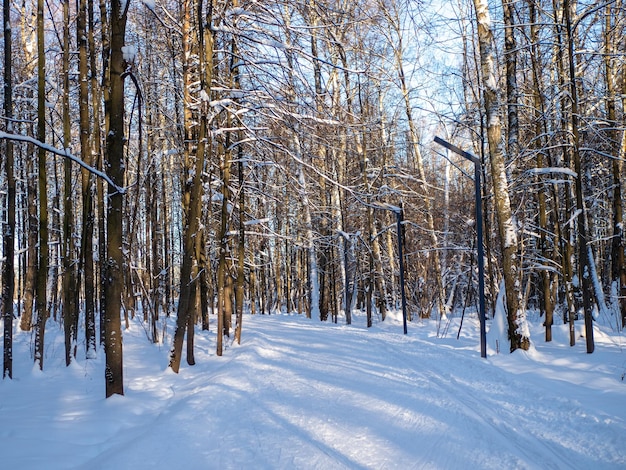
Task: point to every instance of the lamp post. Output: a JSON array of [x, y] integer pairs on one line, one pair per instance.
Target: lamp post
[[399, 218], [401, 266], [479, 237]]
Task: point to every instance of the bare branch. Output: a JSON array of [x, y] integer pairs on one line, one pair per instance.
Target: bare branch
[[62, 153]]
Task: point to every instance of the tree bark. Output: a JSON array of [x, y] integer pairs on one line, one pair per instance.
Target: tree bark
[[518, 334], [70, 293], [105, 37], [618, 267], [86, 255], [512, 92], [192, 198], [114, 279], [584, 250], [8, 238], [547, 298], [566, 232], [241, 241], [41, 300]]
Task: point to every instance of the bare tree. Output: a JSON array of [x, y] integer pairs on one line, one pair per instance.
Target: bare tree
[[41, 300], [613, 31], [86, 264], [585, 258], [197, 48], [69, 278], [114, 279], [8, 231]]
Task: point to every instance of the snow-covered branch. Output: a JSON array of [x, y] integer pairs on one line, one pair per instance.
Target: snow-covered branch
[[62, 153], [547, 170]]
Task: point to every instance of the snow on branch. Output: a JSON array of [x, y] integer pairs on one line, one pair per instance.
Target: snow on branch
[[62, 153], [547, 170]]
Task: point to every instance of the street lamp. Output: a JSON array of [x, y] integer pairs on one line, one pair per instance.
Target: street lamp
[[399, 218], [479, 237]]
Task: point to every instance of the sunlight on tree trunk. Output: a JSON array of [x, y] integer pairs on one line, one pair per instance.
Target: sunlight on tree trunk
[[41, 299], [518, 334], [114, 281]]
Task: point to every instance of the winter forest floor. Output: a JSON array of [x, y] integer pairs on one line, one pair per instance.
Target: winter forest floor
[[298, 393]]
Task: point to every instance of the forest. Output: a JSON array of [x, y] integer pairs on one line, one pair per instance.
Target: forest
[[202, 159]]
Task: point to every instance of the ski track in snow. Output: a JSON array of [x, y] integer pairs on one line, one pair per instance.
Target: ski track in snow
[[298, 393]]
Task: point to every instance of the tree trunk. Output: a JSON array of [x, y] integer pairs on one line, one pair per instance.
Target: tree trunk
[[566, 232], [622, 156], [547, 297], [194, 165], [584, 251], [105, 37], [70, 293], [206, 294], [86, 256], [518, 334], [618, 268], [114, 279], [241, 247], [512, 92], [42, 186], [8, 231]]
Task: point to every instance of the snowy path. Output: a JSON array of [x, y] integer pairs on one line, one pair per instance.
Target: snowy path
[[300, 394]]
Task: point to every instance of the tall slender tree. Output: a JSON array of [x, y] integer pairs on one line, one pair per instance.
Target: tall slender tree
[[70, 294], [8, 231], [86, 155], [201, 47], [41, 291], [512, 91], [611, 76], [585, 259], [508, 234], [114, 279]]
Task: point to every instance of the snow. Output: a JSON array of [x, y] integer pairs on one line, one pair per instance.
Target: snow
[[129, 53], [150, 4], [497, 334], [204, 96], [62, 153], [552, 170], [299, 393], [257, 221]]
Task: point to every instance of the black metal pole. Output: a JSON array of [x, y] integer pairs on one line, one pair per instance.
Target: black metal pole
[[481, 259], [479, 238], [401, 265]]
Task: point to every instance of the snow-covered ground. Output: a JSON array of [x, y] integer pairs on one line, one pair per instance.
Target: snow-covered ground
[[298, 393]]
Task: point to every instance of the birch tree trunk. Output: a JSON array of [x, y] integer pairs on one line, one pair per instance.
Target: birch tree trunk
[[28, 44], [319, 290], [518, 332]]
